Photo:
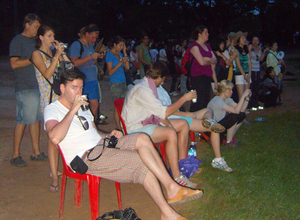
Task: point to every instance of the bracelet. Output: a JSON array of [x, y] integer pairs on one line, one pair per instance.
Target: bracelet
[[64, 53], [246, 99]]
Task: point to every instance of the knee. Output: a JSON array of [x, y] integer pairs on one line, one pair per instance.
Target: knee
[[143, 140]]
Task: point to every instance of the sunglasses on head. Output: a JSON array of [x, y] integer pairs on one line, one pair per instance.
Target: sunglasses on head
[[83, 122]]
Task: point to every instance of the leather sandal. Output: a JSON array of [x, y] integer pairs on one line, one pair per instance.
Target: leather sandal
[[185, 195]]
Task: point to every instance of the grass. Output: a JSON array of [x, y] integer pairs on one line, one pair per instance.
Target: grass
[[265, 181]]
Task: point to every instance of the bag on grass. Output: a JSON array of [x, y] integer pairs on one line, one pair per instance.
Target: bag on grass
[[126, 214], [188, 166]]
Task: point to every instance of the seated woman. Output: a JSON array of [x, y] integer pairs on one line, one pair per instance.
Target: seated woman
[[200, 121], [269, 91], [144, 112], [222, 104]]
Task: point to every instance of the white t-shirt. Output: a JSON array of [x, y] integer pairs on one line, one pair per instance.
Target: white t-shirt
[[77, 140], [153, 53], [217, 104], [140, 103]]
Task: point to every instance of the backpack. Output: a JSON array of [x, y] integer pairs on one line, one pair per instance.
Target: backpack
[[186, 63]]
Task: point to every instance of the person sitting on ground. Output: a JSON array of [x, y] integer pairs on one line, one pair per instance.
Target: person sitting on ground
[[222, 104], [199, 121], [135, 159], [269, 91], [143, 112]]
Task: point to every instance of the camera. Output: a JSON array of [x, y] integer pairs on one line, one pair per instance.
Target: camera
[[112, 142]]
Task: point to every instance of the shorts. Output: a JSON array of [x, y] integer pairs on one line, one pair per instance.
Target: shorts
[[148, 129], [188, 119], [240, 80], [28, 109], [118, 90], [231, 119], [91, 89], [122, 165]]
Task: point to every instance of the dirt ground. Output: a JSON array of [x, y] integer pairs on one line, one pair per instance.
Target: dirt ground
[[24, 191]]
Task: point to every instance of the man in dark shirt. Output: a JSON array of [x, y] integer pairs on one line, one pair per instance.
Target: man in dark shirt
[[26, 89]]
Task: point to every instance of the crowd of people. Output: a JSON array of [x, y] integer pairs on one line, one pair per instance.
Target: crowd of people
[[227, 62]]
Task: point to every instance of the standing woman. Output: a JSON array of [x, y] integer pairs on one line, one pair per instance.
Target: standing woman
[[116, 63], [243, 71], [203, 60], [256, 56], [144, 55], [44, 69]]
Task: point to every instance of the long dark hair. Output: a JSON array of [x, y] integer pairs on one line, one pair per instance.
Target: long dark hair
[[41, 32], [198, 30]]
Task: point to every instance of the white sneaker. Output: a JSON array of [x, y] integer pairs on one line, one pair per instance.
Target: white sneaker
[[260, 107], [254, 109], [222, 165], [184, 181]]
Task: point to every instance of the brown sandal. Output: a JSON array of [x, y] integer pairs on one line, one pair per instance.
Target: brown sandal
[[186, 194]]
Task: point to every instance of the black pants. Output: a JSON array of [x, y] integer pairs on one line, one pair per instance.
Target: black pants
[[229, 120], [255, 77], [173, 73], [202, 84]]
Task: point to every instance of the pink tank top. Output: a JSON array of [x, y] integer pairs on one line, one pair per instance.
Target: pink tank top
[[197, 69]]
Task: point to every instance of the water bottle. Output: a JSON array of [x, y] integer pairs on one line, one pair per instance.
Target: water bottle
[[260, 119], [192, 150]]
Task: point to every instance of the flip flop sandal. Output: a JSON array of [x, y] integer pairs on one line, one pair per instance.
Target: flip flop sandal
[[40, 157], [50, 174], [53, 188], [185, 195]]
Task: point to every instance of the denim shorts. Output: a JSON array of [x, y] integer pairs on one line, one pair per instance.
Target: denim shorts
[[28, 108], [91, 89]]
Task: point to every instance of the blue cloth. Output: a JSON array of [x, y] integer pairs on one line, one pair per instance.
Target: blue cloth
[[119, 75], [188, 119], [91, 89], [89, 69]]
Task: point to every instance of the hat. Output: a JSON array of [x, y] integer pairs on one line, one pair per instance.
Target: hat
[[231, 35], [238, 35]]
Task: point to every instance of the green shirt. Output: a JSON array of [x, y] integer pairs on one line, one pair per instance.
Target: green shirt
[[146, 55]]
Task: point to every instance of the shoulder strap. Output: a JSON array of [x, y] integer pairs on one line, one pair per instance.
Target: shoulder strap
[[81, 49], [274, 55], [46, 54]]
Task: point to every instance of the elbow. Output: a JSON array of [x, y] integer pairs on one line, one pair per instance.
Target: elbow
[[54, 139]]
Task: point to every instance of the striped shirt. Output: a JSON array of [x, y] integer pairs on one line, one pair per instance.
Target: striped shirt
[[255, 64]]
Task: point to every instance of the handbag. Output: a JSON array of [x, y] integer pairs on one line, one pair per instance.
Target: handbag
[[126, 214]]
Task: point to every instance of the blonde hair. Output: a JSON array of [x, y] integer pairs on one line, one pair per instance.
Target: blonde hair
[[223, 86]]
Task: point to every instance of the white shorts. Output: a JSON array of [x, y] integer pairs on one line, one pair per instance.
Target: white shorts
[[240, 80]]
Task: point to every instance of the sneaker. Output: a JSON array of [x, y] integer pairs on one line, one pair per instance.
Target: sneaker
[[254, 109], [233, 144], [213, 125], [260, 107], [174, 93], [222, 165], [184, 181], [18, 162]]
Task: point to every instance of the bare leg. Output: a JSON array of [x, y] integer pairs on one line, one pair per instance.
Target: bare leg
[[182, 128], [34, 130], [94, 104], [117, 119], [162, 134], [231, 131], [204, 113], [19, 130], [53, 160], [240, 89]]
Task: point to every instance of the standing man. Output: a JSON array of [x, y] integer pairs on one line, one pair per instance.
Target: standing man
[[26, 89], [83, 55]]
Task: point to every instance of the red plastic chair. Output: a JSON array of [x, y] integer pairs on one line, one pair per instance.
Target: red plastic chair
[[93, 183], [118, 103]]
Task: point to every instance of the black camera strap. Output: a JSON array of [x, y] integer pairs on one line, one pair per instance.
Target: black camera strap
[[106, 143]]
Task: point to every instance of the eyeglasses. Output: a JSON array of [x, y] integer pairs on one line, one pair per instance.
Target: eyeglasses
[[83, 122], [257, 58]]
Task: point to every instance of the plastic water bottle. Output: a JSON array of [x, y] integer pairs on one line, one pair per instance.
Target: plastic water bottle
[[192, 150], [260, 119]]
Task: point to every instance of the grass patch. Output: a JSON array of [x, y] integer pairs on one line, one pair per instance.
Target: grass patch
[[265, 181]]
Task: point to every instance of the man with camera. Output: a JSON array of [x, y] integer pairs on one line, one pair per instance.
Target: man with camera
[[83, 55], [134, 158]]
